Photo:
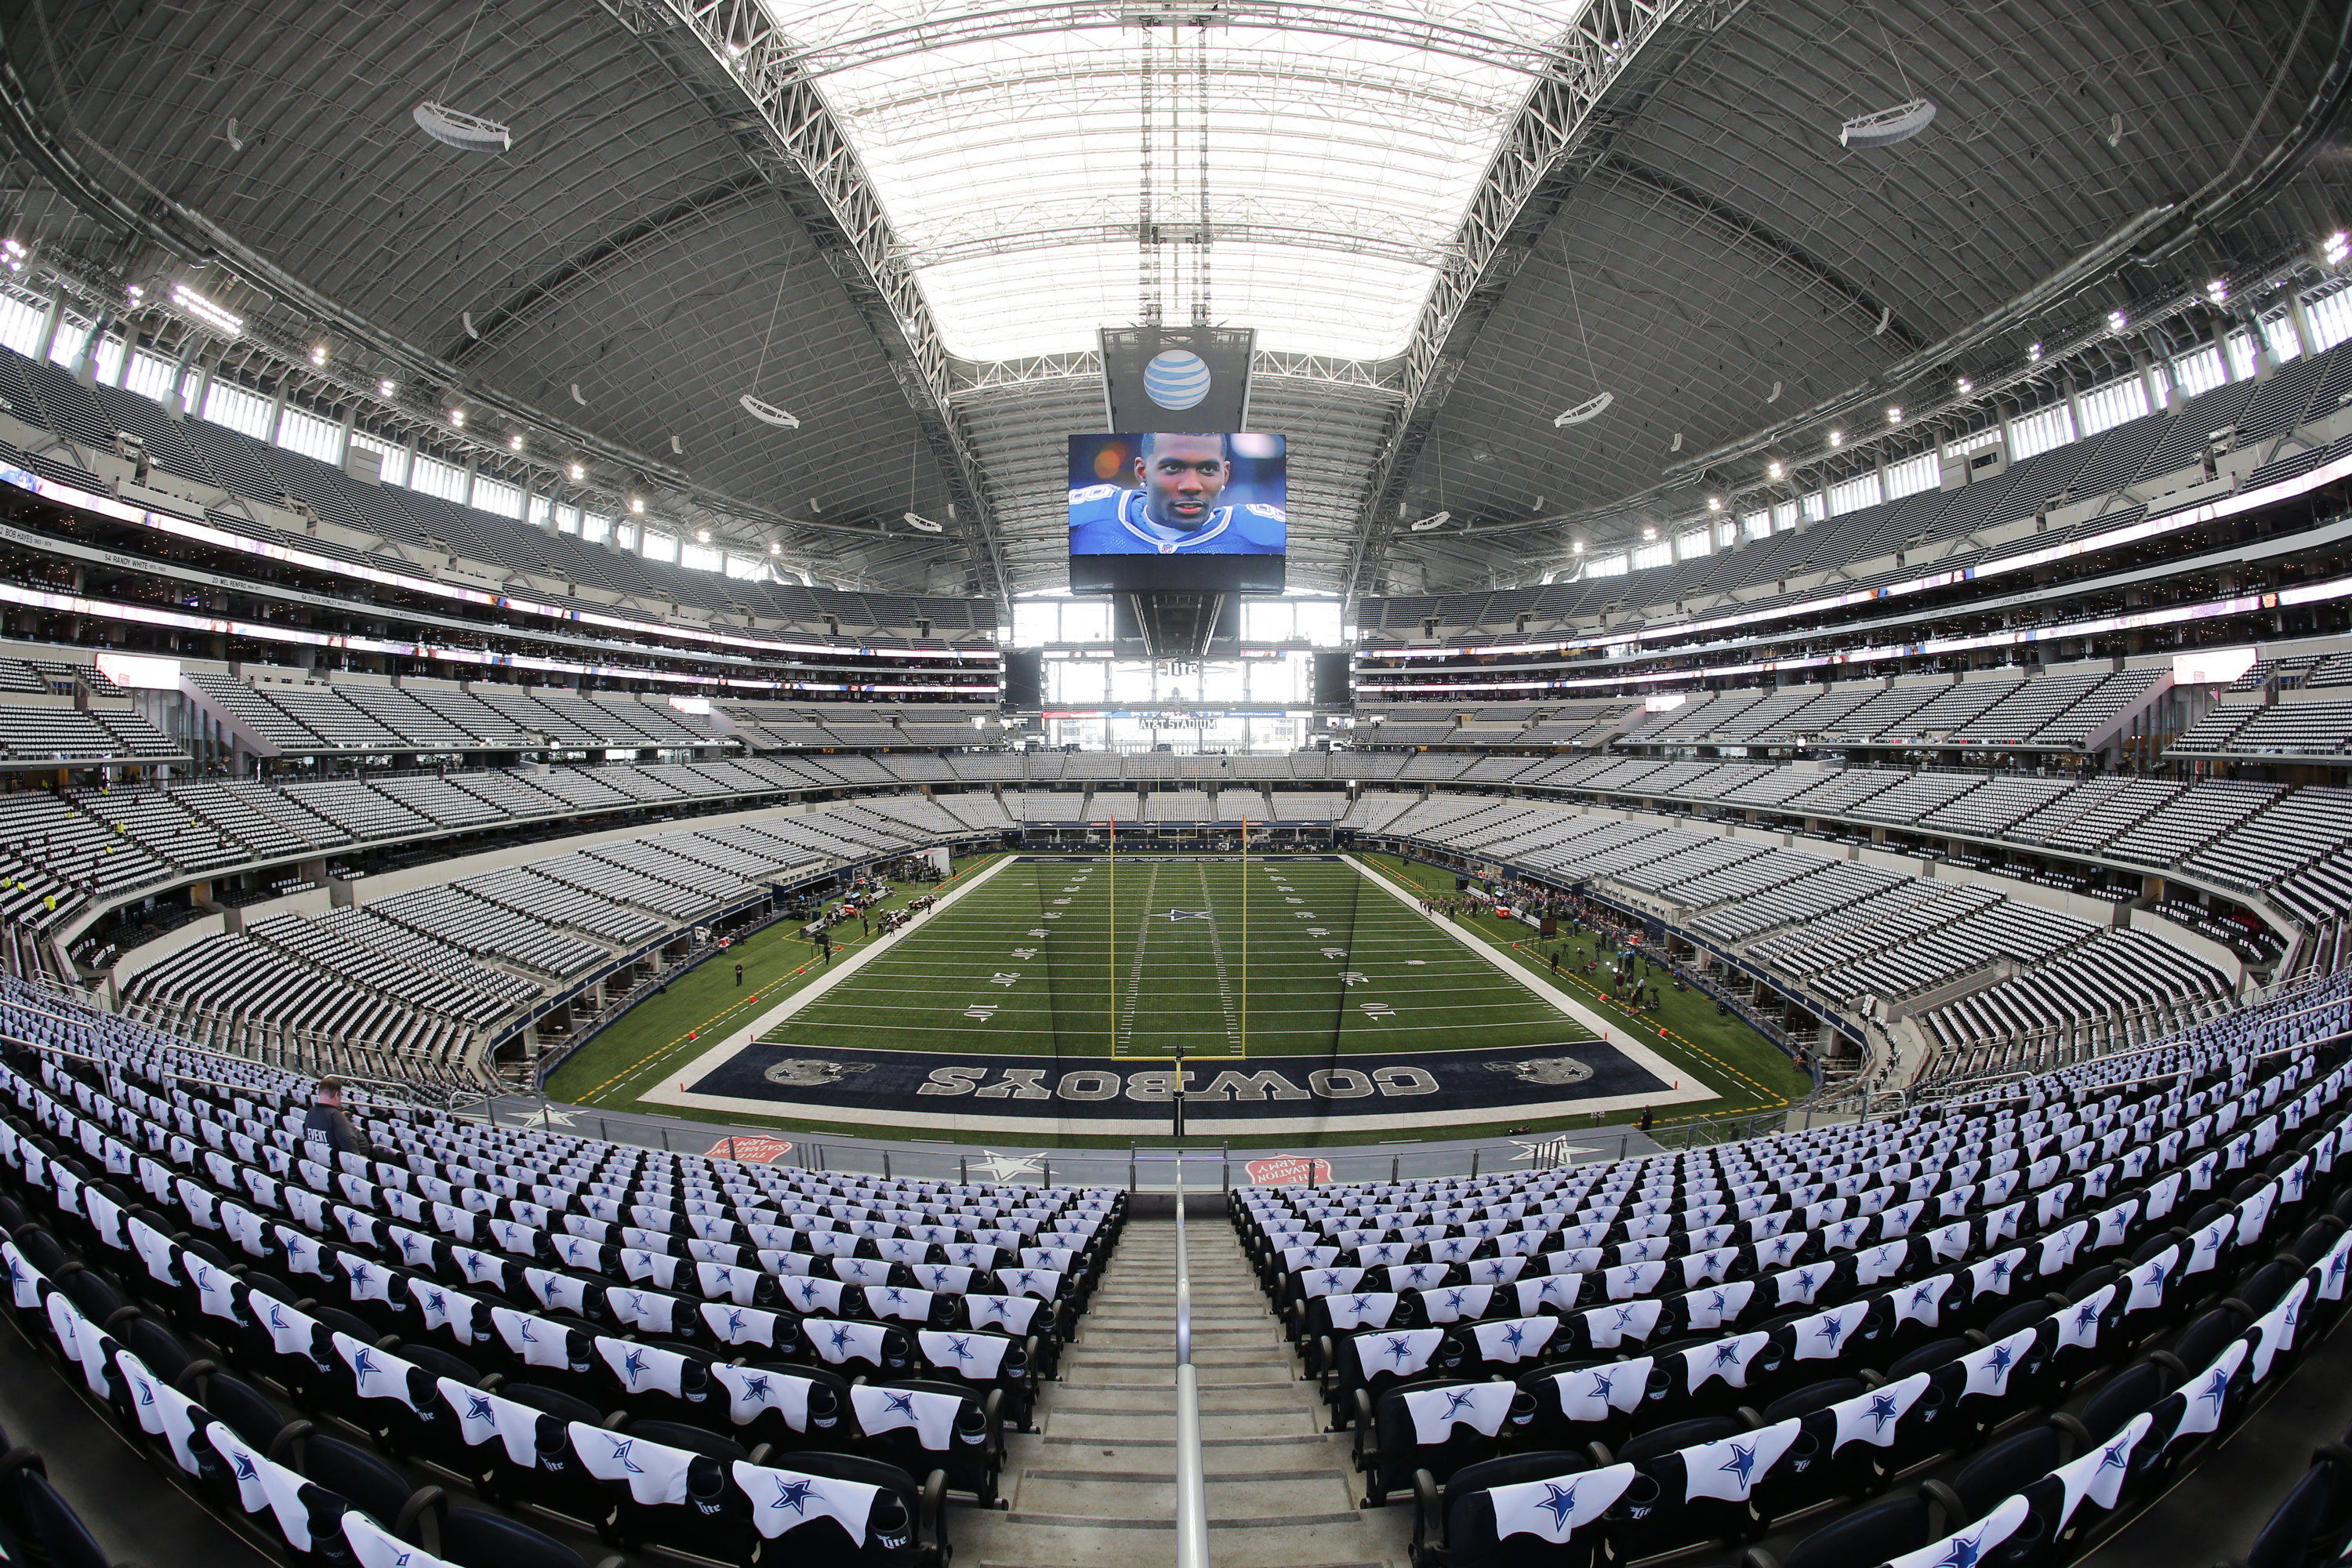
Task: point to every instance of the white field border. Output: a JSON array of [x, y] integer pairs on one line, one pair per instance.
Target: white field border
[[1199, 1119]]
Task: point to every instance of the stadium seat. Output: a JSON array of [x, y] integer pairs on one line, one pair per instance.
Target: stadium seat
[[1542, 1509]]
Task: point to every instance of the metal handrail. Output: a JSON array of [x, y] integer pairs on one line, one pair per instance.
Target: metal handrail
[[1192, 1491]]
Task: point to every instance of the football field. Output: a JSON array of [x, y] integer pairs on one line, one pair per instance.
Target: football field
[[1155, 957]]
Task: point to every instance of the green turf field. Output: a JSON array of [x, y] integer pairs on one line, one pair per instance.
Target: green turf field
[[1181, 978], [1204, 955]]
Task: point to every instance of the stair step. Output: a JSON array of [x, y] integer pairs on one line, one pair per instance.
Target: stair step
[[1085, 1492]]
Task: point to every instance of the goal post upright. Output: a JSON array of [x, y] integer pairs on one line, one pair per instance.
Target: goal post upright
[[1112, 857]]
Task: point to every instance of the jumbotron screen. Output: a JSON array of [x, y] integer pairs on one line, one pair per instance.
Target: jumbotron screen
[[1176, 511]]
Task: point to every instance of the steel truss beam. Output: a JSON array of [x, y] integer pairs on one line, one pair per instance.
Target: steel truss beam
[[798, 143], [1086, 365], [1619, 52], [1389, 22]]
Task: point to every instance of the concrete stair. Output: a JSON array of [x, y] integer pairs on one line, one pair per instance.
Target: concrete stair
[[1095, 1487]]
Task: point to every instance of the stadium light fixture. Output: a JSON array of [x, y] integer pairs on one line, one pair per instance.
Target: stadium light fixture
[[457, 418], [1775, 469], [2118, 320], [774, 548], [318, 353], [514, 442], [638, 506], [1837, 437], [1590, 408], [133, 292], [454, 128], [1886, 127], [12, 252], [211, 315], [702, 536], [2333, 249], [2034, 354], [768, 412], [1649, 532], [1576, 548], [1965, 384], [2218, 290], [386, 386], [1895, 416], [578, 472]]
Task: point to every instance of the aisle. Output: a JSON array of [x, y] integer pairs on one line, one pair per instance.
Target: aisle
[[1096, 1490]]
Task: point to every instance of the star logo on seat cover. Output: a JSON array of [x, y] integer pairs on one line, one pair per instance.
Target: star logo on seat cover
[[1359, 1304], [841, 1338], [1400, 1347], [1963, 1552], [1603, 1386], [794, 1494], [734, 1322], [2001, 1267], [2001, 1358], [1882, 1411], [632, 1364], [1831, 1327], [1455, 1297], [2085, 1318], [2118, 1456], [2214, 1391], [478, 1408], [1921, 1295], [1515, 1335], [1727, 1354], [244, 1469], [960, 1346], [1559, 1501], [898, 1405], [363, 1364], [1741, 1464], [1456, 1398], [755, 1387]]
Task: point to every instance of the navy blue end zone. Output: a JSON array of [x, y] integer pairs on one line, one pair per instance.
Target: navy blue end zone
[[1112, 1097]]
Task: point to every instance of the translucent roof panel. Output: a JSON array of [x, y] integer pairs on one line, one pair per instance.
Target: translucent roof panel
[[1333, 152]]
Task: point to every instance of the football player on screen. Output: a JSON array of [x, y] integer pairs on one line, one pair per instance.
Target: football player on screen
[[1176, 510]]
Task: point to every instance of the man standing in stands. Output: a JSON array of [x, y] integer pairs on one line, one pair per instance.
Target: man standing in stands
[[326, 1130]]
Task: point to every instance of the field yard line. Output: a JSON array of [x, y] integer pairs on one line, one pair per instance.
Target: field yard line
[[1664, 1070], [848, 966]]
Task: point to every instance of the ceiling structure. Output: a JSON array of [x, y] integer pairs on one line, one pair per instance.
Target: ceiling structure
[[902, 220]]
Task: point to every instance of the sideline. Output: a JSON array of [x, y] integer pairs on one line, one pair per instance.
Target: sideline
[[1633, 1050], [849, 961], [842, 970]]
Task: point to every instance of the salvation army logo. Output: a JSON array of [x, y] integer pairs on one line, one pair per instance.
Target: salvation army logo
[[1176, 379], [753, 1150], [1287, 1171]]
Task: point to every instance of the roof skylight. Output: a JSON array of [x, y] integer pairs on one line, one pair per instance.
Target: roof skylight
[[1006, 143]]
